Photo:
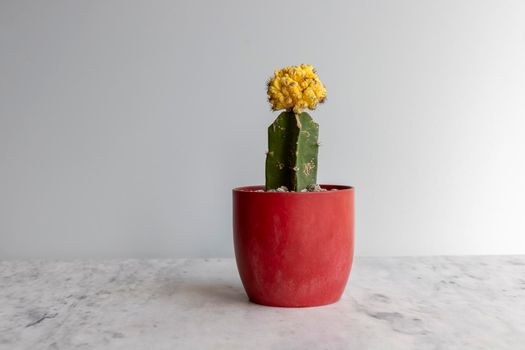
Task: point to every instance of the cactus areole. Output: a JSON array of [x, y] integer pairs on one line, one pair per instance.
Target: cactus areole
[[293, 238]]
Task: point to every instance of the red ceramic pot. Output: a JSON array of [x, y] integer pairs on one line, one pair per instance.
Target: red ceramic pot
[[294, 249]]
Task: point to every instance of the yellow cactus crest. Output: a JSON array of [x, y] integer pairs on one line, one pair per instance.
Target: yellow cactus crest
[[295, 88]]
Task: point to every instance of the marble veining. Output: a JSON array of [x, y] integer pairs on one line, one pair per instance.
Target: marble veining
[[390, 303]]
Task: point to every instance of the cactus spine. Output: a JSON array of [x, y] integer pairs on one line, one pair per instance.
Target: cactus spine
[[293, 146]]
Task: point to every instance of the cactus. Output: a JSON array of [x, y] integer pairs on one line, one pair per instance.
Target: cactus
[[291, 160]]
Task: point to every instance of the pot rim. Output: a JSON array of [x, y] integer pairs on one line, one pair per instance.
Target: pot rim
[[254, 188]]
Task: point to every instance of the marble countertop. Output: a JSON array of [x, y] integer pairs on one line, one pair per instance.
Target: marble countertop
[[390, 303]]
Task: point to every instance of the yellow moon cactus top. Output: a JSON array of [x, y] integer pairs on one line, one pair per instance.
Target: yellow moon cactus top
[[295, 88]]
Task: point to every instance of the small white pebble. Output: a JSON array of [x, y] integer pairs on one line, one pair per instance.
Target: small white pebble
[[315, 188]]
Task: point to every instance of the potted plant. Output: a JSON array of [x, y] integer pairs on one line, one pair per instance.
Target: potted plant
[[294, 239]]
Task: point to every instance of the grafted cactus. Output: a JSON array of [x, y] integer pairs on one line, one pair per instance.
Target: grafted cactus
[[293, 144]]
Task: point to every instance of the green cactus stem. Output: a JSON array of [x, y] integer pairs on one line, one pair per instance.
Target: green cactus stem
[[293, 146]]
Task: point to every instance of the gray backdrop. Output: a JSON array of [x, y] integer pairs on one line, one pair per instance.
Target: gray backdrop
[[124, 125]]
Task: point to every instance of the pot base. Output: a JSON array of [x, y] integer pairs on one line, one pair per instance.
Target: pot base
[[292, 305]]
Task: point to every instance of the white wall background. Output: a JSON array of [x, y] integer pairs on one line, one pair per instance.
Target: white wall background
[[125, 124]]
